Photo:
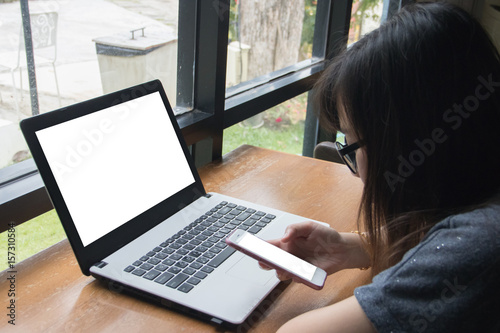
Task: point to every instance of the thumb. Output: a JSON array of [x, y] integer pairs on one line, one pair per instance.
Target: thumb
[[297, 230]]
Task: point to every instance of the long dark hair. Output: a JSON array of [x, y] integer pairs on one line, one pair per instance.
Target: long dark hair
[[423, 93]]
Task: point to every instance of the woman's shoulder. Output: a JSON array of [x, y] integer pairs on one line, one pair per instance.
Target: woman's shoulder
[[449, 278], [477, 228]]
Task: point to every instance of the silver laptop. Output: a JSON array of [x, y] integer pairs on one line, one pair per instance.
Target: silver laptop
[[132, 204]]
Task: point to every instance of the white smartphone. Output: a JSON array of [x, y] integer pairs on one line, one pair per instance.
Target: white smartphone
[[277, 258]]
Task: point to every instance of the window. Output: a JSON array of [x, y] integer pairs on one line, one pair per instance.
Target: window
[[94, 55], [366, 15], [268, 36], [266, 39]]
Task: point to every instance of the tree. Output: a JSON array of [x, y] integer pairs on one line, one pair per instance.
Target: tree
[[273, 30]]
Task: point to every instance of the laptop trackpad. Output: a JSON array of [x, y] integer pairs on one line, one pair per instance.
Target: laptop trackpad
[[247, 269]]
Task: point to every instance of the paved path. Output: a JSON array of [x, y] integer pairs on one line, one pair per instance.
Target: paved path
[[80, 21]]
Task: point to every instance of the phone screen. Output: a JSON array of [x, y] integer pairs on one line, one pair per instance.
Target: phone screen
[[274, 254]]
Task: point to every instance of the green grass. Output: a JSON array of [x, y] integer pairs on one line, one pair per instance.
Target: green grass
[[282, 128], [287, 139], [32, 236]]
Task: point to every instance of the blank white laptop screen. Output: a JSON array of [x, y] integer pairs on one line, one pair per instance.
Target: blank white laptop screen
[[116, 163]]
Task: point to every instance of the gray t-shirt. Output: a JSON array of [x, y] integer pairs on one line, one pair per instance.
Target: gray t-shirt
[[449, 282]]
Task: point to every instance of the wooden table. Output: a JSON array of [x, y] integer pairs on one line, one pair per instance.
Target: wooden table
[[52, 295]]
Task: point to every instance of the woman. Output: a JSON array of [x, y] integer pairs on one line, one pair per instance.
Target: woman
[[419, 102]]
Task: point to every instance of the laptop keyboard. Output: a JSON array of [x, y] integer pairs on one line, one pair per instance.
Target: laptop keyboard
[[185, 259]]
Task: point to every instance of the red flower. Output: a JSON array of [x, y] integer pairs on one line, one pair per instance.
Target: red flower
[[279, 120]]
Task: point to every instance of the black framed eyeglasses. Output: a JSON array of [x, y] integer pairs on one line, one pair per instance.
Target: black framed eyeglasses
[[348, 154]]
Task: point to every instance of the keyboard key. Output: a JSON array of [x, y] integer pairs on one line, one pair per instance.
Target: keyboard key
[[187, 237], [196, 265], [168, 250], [137, 263], [177, 280], [161, 267], [147, 266], [151, 274], [174, 270], [181, 264], [193, 281], [189, 271], [202, 260], [209, 244], [195, 254], [254, 229], [209, 255], [168, 262], [243, 216], [200, 275], [201, 249], [201, 238], [161, 255], [215, 249], [195, 242], [270, 216], [221, 257], [221, 245], [139, 272], [249, 222], [164, 278], [207, 269], [129, 269], [185, 288], [154, 261], [188, 259], [175, 256], [194, 232], [224, 210]]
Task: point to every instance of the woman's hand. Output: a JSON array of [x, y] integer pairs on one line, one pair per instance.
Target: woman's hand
[[323, 247]]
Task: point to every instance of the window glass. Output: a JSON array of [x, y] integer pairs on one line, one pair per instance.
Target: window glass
[[266, 36], [279, 128], [365, 16], [83, 49]]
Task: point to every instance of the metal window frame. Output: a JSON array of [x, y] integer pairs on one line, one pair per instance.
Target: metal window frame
[[203, 41]]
